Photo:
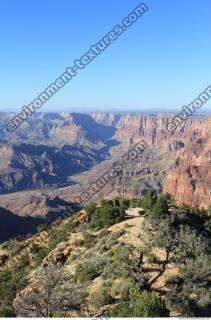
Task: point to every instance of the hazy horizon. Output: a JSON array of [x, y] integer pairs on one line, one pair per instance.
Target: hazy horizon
[[199, 113]]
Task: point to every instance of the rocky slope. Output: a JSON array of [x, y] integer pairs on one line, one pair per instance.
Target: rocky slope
[[92, 262], [77, 248], [178, 162], [30, 166], [190, 180]]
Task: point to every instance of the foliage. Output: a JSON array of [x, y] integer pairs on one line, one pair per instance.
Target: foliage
[[34, 249], [60, 234], [135, 203], [161, 206], [51, 294], [106, 202], [183, 235], [85, 273], [149, 200], [40, 254], [10, 282], [181, 232], [193, 259], [89, 240], [106, 216], [90, 208], [6, 311], [140, 304], [124, 203]]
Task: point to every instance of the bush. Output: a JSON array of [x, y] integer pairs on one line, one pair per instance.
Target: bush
[[151, 258], [111, 269], [142, 212], [11, 281], [149, 200], [108, 244], [124, 203], [34, 249], [136, 203], [162, 206], [103, 248], [59, 235], [90, 208], [97, 262], [85, 273], [127, 225], [140, 304], [6, 311], [106, 202], [89, 240], [40, 255], [106, 216]]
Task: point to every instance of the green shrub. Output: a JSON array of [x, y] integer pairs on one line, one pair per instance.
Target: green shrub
[[85, 273], [151, 258], [40, 255], [141, 212], [162, 206], [106, 216], [135, 203], [140, 304], [34, 249], [6, 311], [90, 208], [59, 235], [124, 203], [149, 200], [127, 225], [107, 244], [106, 202], [11, 281], [89, 240]]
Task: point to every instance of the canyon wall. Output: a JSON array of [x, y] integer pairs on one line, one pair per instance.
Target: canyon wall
[[57, 146]]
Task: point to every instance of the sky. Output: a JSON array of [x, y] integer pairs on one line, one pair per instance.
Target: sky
[[161, 62]]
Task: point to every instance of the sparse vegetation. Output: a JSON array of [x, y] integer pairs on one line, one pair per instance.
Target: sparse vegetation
[[85, 273], [140, 304], [101, 297], [171, 236]]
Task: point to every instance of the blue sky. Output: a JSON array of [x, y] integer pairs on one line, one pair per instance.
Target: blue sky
[[161, 62]]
